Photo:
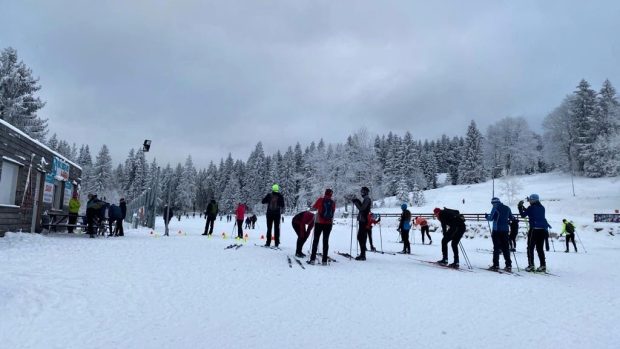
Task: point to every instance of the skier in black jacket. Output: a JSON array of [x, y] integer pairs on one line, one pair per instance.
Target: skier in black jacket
[[362, 219], [456, 223], [211, 214], [275, 208]]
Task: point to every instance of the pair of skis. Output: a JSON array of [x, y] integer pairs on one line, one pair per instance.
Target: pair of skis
[[269, 247], [235, 246], [290, 262]]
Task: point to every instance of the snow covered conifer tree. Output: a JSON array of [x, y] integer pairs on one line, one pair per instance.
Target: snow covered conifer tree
[[583, 113], [417, 196], [187, 185], [402, 190], [52, 142], [471, 168], [101, 176], [18, 103]]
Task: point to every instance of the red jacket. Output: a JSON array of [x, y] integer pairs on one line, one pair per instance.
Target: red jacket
[[371, 220], [240, 212], [301, 220], [319, 206], [421, 221]]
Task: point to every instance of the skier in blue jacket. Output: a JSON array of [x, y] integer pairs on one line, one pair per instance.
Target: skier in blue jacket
[[500, 216], [538, 231]]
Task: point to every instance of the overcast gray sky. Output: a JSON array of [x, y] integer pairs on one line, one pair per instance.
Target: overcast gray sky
[[210, 77]]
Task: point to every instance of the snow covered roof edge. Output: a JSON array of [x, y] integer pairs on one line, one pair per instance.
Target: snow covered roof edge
[[39, 143]]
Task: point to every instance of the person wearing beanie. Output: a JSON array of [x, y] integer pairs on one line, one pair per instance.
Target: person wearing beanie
[[514, 231], [404, 227], [240, 215], [500, 216], [363, 207], [371, 221], [453, 228], [423, 223], [275, 208], [537, 233], [299, 222], [326, 208]]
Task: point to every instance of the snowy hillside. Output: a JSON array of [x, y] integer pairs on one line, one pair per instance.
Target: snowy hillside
[[187, 291]]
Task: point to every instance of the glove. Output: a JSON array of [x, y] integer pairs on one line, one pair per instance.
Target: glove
[[486, 216], [520, 204]]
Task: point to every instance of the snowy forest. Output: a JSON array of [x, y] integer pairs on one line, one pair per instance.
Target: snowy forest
[[581, 135]]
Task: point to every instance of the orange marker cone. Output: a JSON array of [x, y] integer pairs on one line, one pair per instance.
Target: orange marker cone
[[262, 237]]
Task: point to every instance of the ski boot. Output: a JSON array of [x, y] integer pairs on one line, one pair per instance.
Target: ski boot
[[541, 269], [493, 268], [508, 269], [360, 258], [513, 250], [566, 251], [442, 262], [300, 255], [311, 262], [324, 263], [454, 265], [373, 249], [530, 268], [430, 242]]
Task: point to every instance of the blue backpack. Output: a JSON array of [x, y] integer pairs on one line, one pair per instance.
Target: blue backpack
[[327, 211]]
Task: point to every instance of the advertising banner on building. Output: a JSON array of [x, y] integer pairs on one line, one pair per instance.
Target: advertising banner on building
[[60, 169], [48, 189], [68, 193]]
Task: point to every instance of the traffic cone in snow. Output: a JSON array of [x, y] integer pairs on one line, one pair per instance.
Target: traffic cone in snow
[[223, 235], [262, 237], [246, 237], [179, 232]]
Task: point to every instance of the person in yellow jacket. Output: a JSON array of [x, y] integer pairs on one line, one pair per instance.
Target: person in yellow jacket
[[568, 229], [74, 208]]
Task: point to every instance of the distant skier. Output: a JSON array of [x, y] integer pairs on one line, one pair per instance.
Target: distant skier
[[423, 223], [538, 231], [362, 219], [119, 224], [299, 223], [514, 231], [240, 214], [211, 213], [500, 216], [372, 220], [167, 215], [568, 229], [326, 207], [247, 223], [253, 219], [404, 226], [275, 207], [456, 223]]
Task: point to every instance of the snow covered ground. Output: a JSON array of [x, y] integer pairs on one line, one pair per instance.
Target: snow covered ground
[[187, 291]]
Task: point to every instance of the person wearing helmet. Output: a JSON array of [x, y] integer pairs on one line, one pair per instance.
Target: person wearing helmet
[[538, 231], [453, 228], [362, 218], [404, 227], [275, 208], [500, 216]]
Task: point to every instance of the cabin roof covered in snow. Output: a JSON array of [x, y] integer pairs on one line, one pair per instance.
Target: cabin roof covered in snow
[[23, 134]]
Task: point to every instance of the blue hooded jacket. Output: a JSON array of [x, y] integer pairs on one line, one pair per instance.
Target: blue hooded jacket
[[536, 215], [500, 215]]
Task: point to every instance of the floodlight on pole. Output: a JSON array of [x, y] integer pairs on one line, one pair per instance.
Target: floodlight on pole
[[146, 145]]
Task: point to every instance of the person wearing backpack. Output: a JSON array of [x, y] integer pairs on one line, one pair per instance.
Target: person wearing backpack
[[211, 214], [363, 207], [453, 228], [500, 216], [372, 220], [538, 231], [568, 229], [514, 231], [326, 207], [275, 208], [423, 223], [299, 222], [404, 227]]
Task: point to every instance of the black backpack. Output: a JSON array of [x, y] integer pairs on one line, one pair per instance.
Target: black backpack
[[453, 214], [327, 211], [273, 206], [570, 228]]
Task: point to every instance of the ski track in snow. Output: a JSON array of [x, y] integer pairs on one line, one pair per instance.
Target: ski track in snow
[[148, 291]]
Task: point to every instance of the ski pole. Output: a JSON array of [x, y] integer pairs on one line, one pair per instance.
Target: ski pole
[[578, 238], [469, 266], [552, 244], [351, 243], [380, 237]]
